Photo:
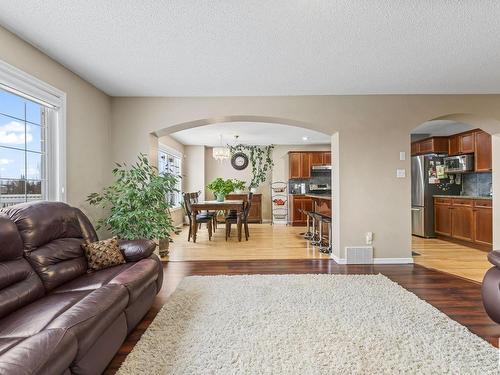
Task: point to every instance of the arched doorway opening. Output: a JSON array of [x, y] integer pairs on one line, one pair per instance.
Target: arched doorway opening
[[195, 140], [452, 193]]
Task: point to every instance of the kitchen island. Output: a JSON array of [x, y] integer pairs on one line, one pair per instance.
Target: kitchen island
[[321, 203]]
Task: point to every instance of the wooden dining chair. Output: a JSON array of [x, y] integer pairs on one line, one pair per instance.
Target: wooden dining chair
[[232, 218], [188, 199], [213, 214]]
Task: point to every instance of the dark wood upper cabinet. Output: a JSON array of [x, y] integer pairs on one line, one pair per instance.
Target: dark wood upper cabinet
[[305, 165], [300, 162], [453, 145], [430, 146], [294, 164], [483, 154], [317, 158], [466, 142]]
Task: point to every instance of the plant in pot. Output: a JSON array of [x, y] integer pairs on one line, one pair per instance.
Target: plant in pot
[[136, 203], [221, 188], [239, 186]]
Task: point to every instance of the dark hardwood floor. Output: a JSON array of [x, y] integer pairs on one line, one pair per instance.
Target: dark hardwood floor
[[458, 298]]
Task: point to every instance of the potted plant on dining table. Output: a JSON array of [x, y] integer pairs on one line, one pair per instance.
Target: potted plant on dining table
[[221, 188]]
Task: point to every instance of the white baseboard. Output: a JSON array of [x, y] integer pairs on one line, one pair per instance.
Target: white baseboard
[[377, 260]]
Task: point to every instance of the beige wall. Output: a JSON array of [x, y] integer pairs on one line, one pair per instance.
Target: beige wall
[[372, 130], [194, 169], [88, 120]]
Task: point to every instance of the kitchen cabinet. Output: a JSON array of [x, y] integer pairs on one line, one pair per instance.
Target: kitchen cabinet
[[300, 162], [464, 219], [442, 216], [317, 158], [462, 216], [483, 155], [483, 222], [294, 164], [305, 165], [255, 213], [430, 146], [299, 202], [462, 143]]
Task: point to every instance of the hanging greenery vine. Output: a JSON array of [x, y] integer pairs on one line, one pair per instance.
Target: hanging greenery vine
[[261, 160]]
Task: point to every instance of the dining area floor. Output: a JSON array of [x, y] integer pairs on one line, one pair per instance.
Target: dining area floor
[[265, 242]]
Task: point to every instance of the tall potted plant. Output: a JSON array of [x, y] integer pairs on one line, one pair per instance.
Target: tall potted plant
[[137, 203], [221, 188]]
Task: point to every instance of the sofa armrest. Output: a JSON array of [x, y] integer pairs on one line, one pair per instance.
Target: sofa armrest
[[494, 257], [135, 250]]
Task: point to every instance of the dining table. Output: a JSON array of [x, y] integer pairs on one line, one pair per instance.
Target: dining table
[[226, 205]]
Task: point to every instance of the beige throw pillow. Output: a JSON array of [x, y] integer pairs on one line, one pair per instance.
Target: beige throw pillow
[[103, 254]]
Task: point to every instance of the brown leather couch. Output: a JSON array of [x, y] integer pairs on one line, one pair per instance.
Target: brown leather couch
[[491, 287], [55, 317]]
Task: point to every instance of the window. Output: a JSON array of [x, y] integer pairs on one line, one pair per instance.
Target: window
[[171, 162], [23, 175], [32, 139]]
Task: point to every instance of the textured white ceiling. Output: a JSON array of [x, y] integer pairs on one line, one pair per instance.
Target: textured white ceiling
[[280, 47], [441, 128], [250, 133]]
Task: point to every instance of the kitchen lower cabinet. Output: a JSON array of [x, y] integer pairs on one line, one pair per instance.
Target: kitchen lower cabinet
[[464, 219], [442, 217], [461, 223], [299, 202], [483, 222]]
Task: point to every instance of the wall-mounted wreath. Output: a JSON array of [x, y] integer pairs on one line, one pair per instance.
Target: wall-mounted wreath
[[239, 161], [261, 160]]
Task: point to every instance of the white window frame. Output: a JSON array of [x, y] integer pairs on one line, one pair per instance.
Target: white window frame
[[169, 150], [23, 84]]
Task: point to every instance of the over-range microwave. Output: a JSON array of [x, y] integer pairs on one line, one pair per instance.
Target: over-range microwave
[[459, 164]]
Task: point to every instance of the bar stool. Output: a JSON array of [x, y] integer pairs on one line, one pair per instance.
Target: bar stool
[[316, 228], [328, 248], [308, 234]]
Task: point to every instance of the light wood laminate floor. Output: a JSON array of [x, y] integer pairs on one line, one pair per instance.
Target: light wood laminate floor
[[266, 242], [450, 257]]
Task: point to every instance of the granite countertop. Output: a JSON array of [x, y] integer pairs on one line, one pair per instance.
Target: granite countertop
[[462, 196], [327, 197]]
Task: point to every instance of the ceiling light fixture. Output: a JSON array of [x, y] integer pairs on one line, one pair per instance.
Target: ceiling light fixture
[[221, 153], [305, 138]]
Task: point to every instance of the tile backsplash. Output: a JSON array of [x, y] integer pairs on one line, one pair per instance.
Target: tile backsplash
[[476, 184]]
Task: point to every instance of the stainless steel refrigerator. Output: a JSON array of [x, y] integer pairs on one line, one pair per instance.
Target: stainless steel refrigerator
[[424, 185]]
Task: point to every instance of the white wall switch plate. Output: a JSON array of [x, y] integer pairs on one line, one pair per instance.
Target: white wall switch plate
[[402, 155], [400, 173]]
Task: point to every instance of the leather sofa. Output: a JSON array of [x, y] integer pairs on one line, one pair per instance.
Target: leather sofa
[[55, 317], [491, 287]]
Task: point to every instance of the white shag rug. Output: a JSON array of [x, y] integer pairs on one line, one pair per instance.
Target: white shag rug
[[304, 324]]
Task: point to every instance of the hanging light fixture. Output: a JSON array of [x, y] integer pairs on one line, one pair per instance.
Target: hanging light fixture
[[221, 153]]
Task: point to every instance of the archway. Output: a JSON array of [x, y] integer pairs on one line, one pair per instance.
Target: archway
[[457, 199], [250, 119]]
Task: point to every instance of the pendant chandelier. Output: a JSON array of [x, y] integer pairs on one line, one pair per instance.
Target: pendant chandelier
[[221, 153]]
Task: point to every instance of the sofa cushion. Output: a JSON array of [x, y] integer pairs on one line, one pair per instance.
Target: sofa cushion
[[103, 254], [19, 284], [46, 353], [52, 233], [90, 317], [92, 280], [137, 277], [42, 222], [33, 318]]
